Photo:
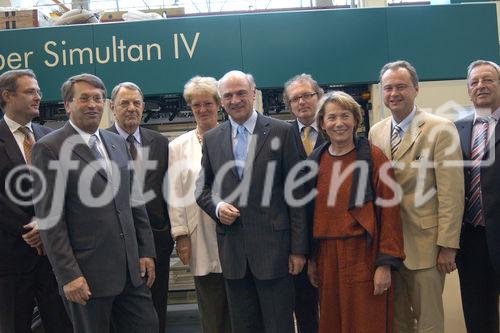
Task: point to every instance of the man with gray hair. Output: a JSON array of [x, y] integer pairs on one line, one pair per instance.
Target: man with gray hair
[[301, 95], [262, 239], [425, 151], [127, 105], [478, 259]]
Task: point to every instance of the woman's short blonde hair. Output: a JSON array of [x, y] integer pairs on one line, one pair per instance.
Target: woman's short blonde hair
[[200, 85], [342, 99]]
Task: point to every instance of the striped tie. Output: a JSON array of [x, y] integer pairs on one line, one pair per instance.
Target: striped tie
[[395, 139], [474, 203], [27, 143]]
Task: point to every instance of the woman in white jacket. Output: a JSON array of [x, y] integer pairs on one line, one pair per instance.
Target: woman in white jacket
[[192, 229]]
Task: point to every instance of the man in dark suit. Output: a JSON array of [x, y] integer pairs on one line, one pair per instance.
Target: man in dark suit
[[262, 239], [127, 104], [95, 231], [478, 259], [25, 272], [301, 95]]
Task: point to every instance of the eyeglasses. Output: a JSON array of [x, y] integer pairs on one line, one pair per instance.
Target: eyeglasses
[[305, 97], [125, 104], [239, 94], [96, 99], [198, 106], [30, 92]]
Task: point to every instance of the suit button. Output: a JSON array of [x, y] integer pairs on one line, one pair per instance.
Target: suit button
[[122, 235]]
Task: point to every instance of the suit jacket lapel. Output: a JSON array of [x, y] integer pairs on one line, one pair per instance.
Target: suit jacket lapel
[[385, 144], [225, 139], [320, 140], [36, 131], [410, 136], [464, 128], [153, 154], [261, 132], [11, 147], [80, 148], [296, 131]]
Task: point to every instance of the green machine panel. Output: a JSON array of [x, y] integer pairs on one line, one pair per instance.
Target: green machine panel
[[335, 46], [343, 46], [160, 56], [45, 51], [441, 41]]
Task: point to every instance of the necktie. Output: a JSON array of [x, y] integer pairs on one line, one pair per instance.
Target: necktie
[[474, 203], [240, 150], [306, 140], [93, 147], [131, 146], [27, 143], [395, 139]]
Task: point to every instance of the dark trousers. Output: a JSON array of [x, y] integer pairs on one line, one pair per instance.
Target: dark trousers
[[159, 291], [212, 303], [479, 283], [261, 305], [306, 303], [20, 292], [131, 311]]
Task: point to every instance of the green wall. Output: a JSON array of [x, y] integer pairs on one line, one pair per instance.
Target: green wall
[[336, 46]]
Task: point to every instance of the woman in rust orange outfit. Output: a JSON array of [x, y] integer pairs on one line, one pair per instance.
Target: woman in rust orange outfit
[[356, 231]]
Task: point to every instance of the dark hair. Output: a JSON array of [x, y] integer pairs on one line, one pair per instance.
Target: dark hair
[[8, 81], [67, 87], [401, 64]]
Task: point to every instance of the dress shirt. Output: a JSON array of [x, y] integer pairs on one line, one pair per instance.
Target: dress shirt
[[405, 123], [250, 127], [100, 146], [313, 135], [137, 139], [18, 136]]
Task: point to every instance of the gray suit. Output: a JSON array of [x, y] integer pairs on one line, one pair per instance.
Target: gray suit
[[102, 244], [254, 250]]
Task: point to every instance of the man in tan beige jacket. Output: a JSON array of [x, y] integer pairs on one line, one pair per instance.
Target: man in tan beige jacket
[[425, 150]]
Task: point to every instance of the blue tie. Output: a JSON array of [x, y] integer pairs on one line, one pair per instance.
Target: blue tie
[[240, 150]]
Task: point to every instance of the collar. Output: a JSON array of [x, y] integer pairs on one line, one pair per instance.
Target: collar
[[405, 123], [85, 136], [123, 134], [313, 125], [249, 124], [13, 126], [495, 115]]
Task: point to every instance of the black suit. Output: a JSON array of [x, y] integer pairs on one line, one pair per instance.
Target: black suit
[[306, 295], [478, 259], [101, 242], [24, 275], [254, 250], [158, 217]]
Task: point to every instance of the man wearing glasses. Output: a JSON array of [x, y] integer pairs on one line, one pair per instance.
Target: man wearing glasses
[[25, 272], [127, 104], [93, 224], [300, 95]]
